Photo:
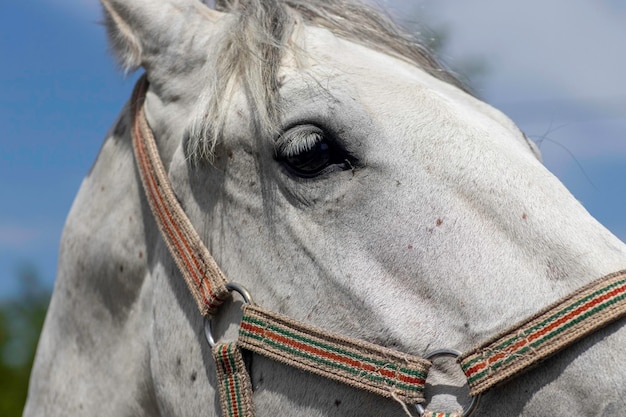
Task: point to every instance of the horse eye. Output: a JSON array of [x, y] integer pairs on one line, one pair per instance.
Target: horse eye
[[306, 151]]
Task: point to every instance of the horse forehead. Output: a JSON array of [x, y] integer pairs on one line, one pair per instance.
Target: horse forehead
[[388, 84], [330, 55]]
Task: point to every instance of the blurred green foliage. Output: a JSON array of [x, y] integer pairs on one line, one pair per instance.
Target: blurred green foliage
[[21, 320]]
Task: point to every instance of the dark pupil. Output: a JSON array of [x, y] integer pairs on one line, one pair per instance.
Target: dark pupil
[[311, 161]]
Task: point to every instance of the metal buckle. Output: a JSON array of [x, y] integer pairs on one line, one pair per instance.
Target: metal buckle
[[454, 354], [208, 321]]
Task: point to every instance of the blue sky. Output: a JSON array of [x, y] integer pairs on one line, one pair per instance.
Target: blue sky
[[555, 67], [59, 92]]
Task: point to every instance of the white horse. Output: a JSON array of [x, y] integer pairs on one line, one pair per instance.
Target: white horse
[[333, 169]]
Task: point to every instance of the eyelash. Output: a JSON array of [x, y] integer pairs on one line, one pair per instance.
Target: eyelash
[[307, 151]]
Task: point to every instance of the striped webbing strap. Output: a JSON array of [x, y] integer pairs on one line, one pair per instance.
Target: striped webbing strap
[[553, 329], [205, 280], [233, 380], [429, 413], [357, 363]]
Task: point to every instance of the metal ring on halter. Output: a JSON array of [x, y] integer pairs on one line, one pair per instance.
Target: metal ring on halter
[[208, 321], [454, 354]]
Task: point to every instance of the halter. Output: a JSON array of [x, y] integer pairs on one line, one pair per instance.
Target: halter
[[357, 363]]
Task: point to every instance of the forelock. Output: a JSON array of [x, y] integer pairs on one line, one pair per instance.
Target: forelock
[[252, 48]]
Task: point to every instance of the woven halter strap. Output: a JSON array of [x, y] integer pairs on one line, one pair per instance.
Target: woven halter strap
[[354, 362], [205, 280], [556, 327]]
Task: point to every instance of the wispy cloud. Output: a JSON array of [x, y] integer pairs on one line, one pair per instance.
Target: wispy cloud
[[88, 10], [556, 68], [13, 237]]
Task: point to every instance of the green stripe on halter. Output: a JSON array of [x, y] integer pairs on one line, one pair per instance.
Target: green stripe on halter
[[551, 330], [335, 349], [356, 363], [233, 380]]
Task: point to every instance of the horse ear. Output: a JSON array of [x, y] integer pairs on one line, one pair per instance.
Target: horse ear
[[140, 29]]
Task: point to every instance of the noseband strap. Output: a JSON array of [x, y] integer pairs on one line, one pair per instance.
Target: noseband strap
[[547, 332], [354, 362], [357, 363]]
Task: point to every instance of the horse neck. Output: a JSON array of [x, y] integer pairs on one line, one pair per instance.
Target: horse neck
[[100, 305]]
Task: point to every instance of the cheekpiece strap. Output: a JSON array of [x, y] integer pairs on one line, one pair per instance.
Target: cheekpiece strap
[[205, 280]]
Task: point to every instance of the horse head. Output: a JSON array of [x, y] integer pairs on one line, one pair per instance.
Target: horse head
[[334, 169]]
